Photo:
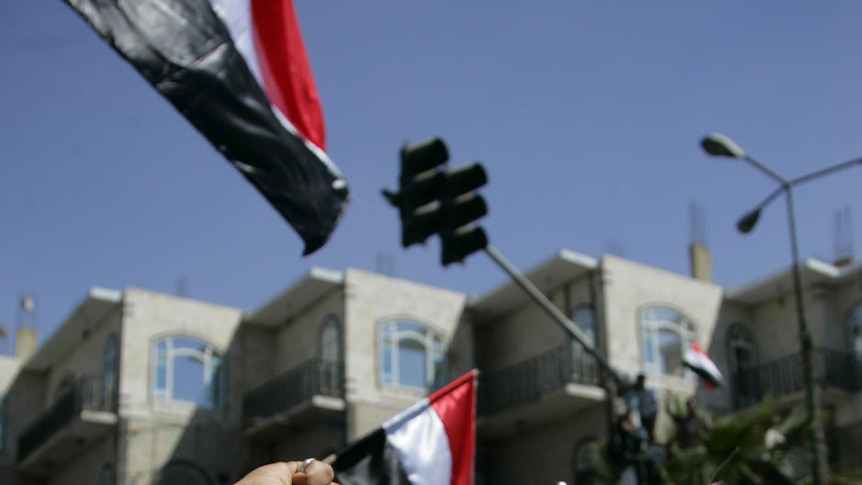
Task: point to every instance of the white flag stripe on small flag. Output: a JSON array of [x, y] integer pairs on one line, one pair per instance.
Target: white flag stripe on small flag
[[696, 359], [430, 443]]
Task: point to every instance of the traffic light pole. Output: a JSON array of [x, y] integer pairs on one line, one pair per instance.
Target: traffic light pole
[[557, 315]]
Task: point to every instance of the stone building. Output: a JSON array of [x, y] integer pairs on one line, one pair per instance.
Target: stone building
[[140, 387]]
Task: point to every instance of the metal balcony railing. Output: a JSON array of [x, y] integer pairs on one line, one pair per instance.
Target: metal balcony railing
[[311, 378], [528, 379], [783, 376], [90, 393]]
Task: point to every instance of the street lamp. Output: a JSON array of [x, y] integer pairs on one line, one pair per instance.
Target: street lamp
[[720, 145]]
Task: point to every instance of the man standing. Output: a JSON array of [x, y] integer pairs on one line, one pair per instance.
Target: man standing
[[643, 403]]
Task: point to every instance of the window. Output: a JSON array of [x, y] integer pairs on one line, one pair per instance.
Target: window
[[330, 357], [743, 362], [583, 366], [665, 335], [854, 326], [410, 354], [585, 319], [187, 369], [585, 457], [109, 373]]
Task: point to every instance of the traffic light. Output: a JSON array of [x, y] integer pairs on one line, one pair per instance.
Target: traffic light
[[462, 206], [420, 184], [434, 200]]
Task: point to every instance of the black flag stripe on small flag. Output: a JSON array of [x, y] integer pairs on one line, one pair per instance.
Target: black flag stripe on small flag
[[236, 69]]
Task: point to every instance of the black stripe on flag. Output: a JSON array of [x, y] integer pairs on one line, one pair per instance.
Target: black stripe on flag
[[185, 51], [369, 461]]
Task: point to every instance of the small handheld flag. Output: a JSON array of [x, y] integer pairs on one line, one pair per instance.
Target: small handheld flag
[[430, 443]]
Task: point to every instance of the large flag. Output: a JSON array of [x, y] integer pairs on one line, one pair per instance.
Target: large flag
[[430, 443], [697, 360], [237, 70]]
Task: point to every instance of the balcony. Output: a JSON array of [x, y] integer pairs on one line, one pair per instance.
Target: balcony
[[312, 391], [541, 388], [81, 415], [834, 371]]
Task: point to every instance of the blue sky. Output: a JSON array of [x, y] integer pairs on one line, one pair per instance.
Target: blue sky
[[586, 115]]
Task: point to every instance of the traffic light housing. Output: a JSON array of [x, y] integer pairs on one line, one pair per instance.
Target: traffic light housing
[[434, 200], [462, 206], [419, 188]]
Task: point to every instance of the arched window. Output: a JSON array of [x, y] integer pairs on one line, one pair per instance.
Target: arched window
[[743, 362], [187, 369], [585, 318], [410, 354], [854, 327], [665, 335], [585, 458], [109, 373], [330, 357]]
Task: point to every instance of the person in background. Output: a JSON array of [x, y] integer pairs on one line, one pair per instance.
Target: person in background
[[690, 425], [642, 401]]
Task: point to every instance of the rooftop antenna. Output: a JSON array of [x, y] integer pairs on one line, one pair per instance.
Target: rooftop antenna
[[843, 237]]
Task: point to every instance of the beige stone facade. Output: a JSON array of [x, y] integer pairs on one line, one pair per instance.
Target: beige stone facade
[[197, 393]]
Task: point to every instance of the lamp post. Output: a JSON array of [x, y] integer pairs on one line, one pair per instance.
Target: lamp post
[[720, 145]]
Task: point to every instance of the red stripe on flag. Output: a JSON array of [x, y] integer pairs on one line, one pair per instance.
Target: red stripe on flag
[[455, 404], [284, 67]]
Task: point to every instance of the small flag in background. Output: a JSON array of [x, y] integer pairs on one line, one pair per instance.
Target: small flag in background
[[237, 70], [430, 443], [697, 360]]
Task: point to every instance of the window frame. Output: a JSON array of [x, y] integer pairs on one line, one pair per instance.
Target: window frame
[[110, 371], [213, 363], [573, 316], [389, 345], [330, 366], [683, 326], [738, 335]]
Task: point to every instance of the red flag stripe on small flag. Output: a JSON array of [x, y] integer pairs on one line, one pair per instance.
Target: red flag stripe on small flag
[[430, 443], [698, 361]]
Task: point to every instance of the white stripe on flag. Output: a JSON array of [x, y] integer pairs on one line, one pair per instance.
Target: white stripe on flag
[[236, 15], [419, 439]]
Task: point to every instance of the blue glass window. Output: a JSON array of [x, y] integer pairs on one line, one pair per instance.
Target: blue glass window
[[410, 355], [665, 336], [187, 369]]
